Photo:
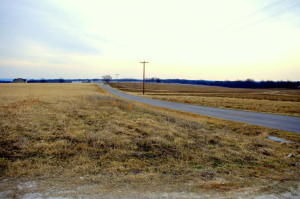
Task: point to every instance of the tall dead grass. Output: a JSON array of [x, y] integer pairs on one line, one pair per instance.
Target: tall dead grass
[[265, 106], [67, 130]]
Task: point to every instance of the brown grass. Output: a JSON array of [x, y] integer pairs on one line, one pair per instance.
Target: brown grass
[[63, 131], [276, 101]]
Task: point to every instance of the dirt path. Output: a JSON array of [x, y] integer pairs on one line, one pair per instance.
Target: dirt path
[[53, 189]]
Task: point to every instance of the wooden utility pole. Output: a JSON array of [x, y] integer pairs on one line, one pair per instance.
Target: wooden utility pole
[[144, 62], [117, 80]]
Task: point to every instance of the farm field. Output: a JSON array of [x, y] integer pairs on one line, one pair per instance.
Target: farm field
[[276, 101], [57, 138]]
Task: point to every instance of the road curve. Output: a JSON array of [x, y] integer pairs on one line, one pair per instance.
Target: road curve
[[280, 122]]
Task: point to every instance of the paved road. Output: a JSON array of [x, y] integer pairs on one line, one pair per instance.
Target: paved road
[[286, 123]]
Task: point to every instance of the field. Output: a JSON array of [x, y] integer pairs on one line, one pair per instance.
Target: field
[[66, 137], [276, 101]]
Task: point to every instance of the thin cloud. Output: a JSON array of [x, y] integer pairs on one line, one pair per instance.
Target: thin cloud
[[30, 22]]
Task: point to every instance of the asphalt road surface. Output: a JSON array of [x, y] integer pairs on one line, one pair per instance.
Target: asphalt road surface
[[280, 122]]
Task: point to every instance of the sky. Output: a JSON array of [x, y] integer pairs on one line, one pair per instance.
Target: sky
[[185, 39]]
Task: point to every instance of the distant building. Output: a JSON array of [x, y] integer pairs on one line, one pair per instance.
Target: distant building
[[19, 80]]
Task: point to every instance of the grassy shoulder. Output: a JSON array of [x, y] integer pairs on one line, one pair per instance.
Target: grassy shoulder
[[276, 101], [66, 131]]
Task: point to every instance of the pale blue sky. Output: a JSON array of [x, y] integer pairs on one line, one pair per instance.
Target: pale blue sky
[[192, 39]]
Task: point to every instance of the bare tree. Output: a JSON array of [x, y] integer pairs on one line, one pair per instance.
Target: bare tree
[[107, 78]]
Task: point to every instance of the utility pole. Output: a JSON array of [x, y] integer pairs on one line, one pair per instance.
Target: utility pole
[[144, 62], [117, 80]]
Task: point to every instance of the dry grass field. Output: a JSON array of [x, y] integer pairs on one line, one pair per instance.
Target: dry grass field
[[76, 135], [276, 101]]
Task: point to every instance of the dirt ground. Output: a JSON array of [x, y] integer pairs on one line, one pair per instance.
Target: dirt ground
[[79, 188]]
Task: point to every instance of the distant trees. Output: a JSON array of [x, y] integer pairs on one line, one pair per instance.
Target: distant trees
[[154, 80], [107, 78], [248, 83], [19, 80], [61, 80]]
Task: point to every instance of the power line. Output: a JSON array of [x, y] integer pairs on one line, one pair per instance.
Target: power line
[[283, 11], [273, 15], [266, 7], [255, 13]]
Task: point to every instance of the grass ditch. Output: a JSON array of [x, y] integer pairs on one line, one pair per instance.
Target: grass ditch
[[69, 130]]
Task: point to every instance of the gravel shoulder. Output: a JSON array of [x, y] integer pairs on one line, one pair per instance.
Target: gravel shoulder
[[78, 188]]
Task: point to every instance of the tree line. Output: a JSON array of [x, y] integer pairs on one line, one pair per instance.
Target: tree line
[[248, 83]]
